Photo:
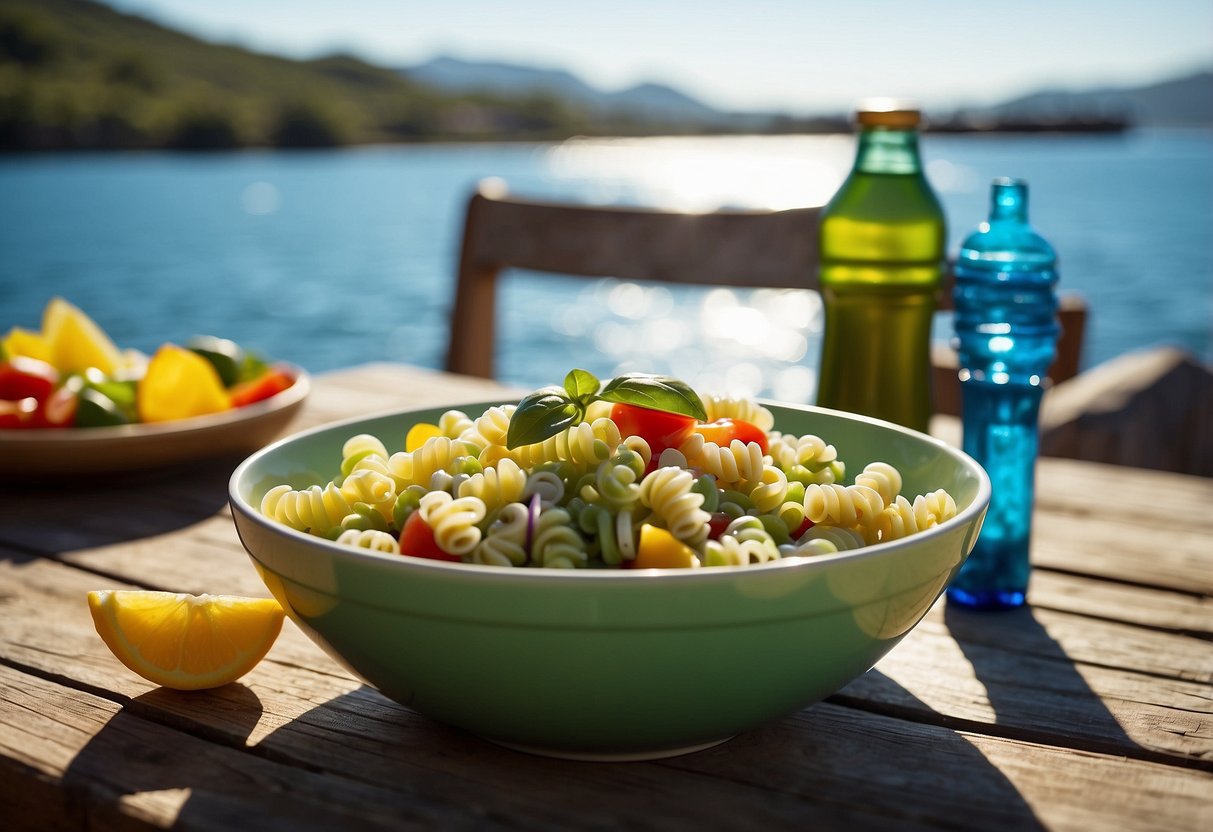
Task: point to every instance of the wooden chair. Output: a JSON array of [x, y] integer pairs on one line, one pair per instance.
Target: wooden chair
[[747, 249]]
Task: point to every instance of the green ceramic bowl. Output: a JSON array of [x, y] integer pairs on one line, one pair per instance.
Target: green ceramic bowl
[[610, 664]]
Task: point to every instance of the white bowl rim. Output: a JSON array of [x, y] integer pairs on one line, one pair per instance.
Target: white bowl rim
[[969, 513]]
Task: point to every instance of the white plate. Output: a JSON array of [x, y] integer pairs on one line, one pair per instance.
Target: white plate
[[39, 453]]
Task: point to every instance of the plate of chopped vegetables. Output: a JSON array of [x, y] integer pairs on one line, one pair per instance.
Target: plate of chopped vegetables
[[72, 402]]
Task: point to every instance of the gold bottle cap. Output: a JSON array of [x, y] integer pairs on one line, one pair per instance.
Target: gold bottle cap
[[893, 113]]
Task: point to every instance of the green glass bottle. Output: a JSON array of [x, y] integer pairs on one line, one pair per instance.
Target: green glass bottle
[[882, 252]]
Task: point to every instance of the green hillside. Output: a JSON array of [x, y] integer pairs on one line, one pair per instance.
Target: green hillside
[[76, 74]]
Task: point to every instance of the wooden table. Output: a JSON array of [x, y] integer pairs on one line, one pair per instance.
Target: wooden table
[[1089, 710]]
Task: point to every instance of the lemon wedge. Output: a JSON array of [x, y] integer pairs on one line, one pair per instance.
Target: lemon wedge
[[75, 341], [186, 642]]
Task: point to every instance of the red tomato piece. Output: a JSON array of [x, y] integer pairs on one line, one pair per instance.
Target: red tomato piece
[[724, 431], [22, 378], [270, 383], [18, 413], [660, 429], [718, 522], [417, 539], [804, 527]]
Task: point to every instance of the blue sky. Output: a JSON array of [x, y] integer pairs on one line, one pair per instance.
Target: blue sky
[[794, 55]]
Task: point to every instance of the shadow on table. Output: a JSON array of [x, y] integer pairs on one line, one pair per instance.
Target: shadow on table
[[179, 758], [1054, 705], [361, 759], [69, 514]]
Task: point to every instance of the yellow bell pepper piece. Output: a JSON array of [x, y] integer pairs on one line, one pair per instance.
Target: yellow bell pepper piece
[[659, 549], [419, 434], [27, 343], [179, 384]]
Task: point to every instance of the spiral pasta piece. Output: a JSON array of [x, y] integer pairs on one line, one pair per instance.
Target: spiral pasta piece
[[585, 444], [668, 492], [437, 453], [882, 478], [359, 446], [372, 539], [617, 481], [454, 423], [841, 539], [366, 485], [317, 509], [770, 491], [495, 487], [939, 503], [453, 521], [744, 541], [556, 544], [505, 542], [737, 462], [838, 505], [549, 485], [494, 424]]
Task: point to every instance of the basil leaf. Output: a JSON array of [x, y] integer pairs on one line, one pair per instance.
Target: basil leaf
[[581, 385], [541, 415], [655, 393]]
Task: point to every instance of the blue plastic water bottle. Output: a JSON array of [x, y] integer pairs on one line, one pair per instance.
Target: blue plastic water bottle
[[1006, 335]]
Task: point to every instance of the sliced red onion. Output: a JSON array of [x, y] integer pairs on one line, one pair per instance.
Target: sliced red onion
[[532, 520]]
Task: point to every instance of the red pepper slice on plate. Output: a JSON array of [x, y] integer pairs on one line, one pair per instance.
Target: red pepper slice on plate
[[417, 539], [270, 383], [22, 377]]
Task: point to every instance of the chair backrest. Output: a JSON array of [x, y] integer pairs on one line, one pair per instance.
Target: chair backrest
[[757, 249], [748, 249]]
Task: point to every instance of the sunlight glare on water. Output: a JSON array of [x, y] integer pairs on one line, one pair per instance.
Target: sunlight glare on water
[[752, 342]]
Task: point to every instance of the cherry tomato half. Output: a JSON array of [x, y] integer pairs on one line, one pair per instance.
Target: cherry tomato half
[[22, 377], [417, 539], [724, 431], [270, 383], [660, 429]]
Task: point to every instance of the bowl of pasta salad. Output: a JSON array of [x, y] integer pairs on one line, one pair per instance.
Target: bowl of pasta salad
[[624, 570]]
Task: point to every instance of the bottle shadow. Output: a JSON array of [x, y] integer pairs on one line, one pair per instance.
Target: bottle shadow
[[1055, 705]]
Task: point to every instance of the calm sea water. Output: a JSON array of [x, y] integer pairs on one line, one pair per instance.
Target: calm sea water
[[334, 258]]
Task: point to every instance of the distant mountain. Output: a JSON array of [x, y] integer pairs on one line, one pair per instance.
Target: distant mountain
[[647, 102], [1179, 101]]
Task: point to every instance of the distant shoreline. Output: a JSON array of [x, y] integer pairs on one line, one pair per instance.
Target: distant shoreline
[[815, 127]]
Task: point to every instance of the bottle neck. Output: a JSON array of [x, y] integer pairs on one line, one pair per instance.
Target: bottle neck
[[1009, 201], [882, 150]]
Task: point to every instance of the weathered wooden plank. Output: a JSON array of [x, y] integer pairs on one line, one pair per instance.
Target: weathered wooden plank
[[1057, 677], [1012, 676], [1164, 609], [112, 769], [355, 760]]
